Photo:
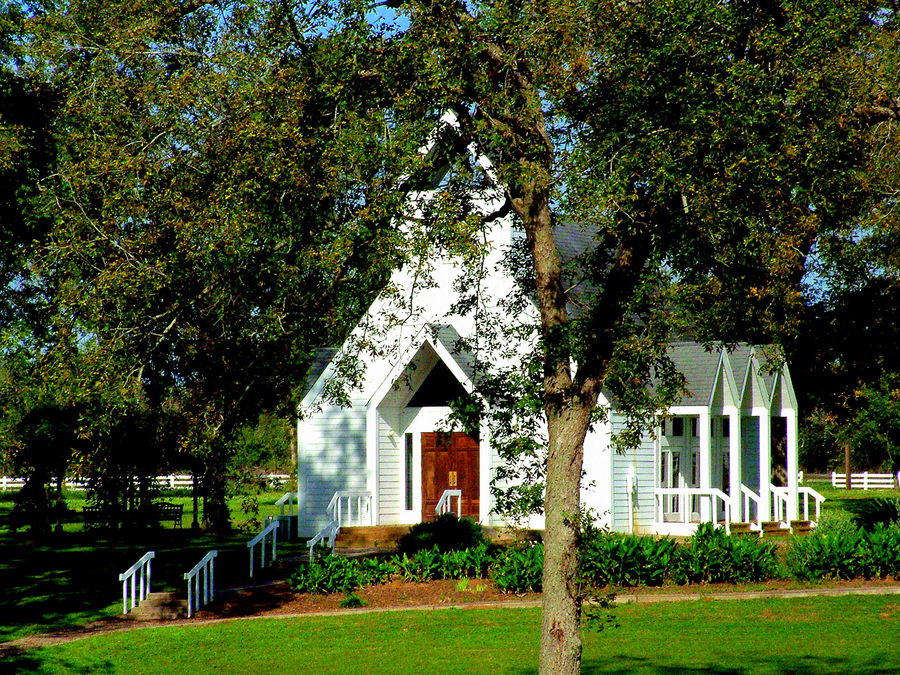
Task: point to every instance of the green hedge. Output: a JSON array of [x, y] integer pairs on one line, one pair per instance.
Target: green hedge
[[616, 560]]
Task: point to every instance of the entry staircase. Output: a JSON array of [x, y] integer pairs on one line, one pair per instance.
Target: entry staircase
[[351, 527]]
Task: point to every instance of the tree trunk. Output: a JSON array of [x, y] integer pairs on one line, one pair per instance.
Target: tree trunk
[[561, 615], [847, 463], [216, 516]]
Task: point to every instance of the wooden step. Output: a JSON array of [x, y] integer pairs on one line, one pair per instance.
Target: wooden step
[[160, 606], [772, 529], [372, 536], [802, 526]]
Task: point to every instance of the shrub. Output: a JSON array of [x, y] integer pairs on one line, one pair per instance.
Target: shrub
[[712, 556], [328, 574], [374, 571], [883, 552], [519, 569], [825, 556], [426, 565], [446, 532], [625, 560], [836, 522], [468, 564], [867, 513]]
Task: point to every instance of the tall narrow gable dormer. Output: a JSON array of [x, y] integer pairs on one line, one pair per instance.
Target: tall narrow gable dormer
[[724, 391], [783, 398], [754, 393]]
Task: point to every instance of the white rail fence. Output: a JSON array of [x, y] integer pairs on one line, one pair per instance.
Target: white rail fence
[[270, 534], [136, 579], [201, 583], [866, 480], [445, 503], [172, 481]]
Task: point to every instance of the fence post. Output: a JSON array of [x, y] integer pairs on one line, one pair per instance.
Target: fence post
[[865, 478]]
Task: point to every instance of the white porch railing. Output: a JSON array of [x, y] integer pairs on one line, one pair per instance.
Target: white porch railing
[[746, 515], [201, 585], [808, 492], [329, 532], [686, 497], [288, 512], [444, 504], [137, 578], [270, 533], [866, 480], [781, 499], [340, 508]]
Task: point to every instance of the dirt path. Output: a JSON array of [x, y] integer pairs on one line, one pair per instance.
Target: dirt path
[[275, 600]]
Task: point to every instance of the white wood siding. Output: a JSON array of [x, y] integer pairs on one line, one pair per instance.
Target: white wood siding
[[390, 467], [643, 460], [331, 456]]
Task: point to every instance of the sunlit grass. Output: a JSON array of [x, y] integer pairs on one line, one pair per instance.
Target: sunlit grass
[[803, 635]]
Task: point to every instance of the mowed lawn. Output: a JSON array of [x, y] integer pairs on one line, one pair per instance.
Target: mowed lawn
[[798, 635]]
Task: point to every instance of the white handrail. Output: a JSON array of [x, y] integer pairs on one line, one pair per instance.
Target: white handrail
[[201, 582], [749, 495], [444, 503], [363, 514], [330, 532], [808, 492], [686, 495], [289, 502], [142, 570], [270, 529], [781, 498]]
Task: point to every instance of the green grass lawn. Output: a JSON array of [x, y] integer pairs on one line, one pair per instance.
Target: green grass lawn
[[71, 578], [850, 635]]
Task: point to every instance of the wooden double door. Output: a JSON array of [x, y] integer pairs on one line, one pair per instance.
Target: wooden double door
[[450, 461]]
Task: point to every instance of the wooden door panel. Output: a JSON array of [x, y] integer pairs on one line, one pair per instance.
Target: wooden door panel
[[441, 455]]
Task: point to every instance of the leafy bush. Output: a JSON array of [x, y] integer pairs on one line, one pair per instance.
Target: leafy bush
[[374, 571], [874, 554], [883, 552], [867, 513], [426, 565], [837, 522], [712, 556], [825, 556], [520, 569], [328, 574], [609, 559], [446, 532], [472, 563]]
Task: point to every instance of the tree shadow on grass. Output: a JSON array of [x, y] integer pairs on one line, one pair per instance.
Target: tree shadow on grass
[[19, 661], [763, 662], [71, 579]]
